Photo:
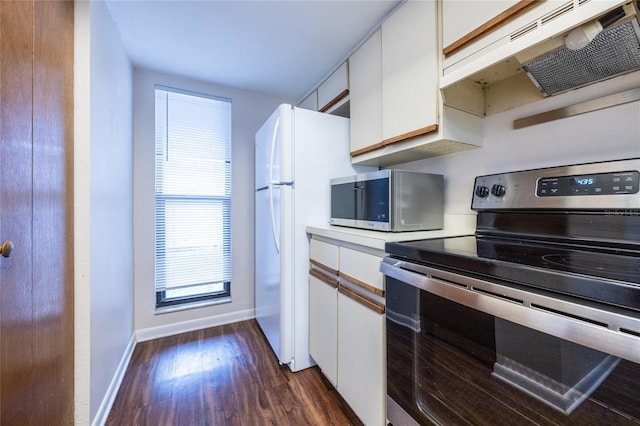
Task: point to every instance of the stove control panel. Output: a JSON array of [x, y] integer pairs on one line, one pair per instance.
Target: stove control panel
[[589, 184], [482, 191], [604, 186]]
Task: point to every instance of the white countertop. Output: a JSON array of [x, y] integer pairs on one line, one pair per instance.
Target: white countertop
[[454, 225]]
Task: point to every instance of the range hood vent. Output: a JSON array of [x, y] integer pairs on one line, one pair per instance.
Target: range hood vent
[[553, 48], [614, 51]]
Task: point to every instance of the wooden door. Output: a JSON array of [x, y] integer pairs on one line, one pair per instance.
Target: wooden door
[[36, 280]]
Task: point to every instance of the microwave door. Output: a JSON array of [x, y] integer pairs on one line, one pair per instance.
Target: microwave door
[[377, 203], [360, 205]]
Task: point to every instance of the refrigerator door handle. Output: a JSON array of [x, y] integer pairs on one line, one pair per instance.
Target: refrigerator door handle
[[276, 237], [276, 127]]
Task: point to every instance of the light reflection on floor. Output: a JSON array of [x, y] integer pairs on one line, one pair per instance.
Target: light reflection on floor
[[213, 356]]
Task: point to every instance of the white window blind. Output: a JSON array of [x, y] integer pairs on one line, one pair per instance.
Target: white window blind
[[192, 193]]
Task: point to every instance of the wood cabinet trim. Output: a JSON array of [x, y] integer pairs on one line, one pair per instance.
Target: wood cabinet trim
[[400, 138], [323, 266], [362, 300], [324, 278], [367, 149], [335, 100], [491, 25], [362, 284], [418, 132]]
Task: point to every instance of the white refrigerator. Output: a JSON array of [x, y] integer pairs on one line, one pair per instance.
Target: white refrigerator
[[297, 152]]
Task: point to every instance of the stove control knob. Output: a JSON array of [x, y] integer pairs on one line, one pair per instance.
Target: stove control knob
[[498, 190], [482, 191]]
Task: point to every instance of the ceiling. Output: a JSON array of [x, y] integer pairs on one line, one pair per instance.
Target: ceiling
[[275, 48]]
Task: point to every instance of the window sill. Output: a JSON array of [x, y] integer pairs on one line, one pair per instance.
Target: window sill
[[192, 305]]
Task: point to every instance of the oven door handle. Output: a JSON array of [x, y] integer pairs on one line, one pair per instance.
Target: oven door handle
[[401, 270], [611, 332], [418, 275]]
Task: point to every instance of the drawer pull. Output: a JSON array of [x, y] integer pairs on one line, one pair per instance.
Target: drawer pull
[[362, 284], [325, 267], [324, 278], [363, 300]]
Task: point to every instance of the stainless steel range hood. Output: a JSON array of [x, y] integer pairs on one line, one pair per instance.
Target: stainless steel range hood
[[612, 49]]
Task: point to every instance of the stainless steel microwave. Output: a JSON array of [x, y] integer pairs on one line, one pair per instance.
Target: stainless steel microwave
[[388, 200]]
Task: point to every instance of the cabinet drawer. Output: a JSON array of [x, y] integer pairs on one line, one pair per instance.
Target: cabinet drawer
[[324, 255], [361, 269]]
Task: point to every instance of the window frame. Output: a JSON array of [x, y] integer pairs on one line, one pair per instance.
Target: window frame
[[163, 300]]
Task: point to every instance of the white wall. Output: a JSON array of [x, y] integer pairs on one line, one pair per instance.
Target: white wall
[[248, 113], [608, 134], [111, 202], [103, 205]]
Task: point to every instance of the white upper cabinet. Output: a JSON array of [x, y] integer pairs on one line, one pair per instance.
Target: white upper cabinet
[[332, 96], [472, 27], [310, 102], [365, 83], [334, 89], [397, 113], [462, 17], [409, 70]]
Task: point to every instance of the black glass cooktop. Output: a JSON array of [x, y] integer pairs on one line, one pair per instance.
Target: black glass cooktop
[[593, 273]]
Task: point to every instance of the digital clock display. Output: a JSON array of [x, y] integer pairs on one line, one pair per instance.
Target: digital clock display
[[610, 183], [583, 180]]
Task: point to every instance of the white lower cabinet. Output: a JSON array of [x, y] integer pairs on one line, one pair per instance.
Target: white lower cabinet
[[323, 326], [361, 360], [347, 324]]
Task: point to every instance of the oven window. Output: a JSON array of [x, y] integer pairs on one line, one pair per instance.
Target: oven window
[[450, 364]]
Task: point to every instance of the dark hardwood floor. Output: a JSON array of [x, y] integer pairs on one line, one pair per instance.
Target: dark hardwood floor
[[225, 375]]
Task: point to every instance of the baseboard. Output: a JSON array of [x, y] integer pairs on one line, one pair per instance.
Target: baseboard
[[197, 324], [110, 396]]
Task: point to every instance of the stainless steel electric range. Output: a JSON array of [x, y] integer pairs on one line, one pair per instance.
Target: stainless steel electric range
[[534, 319]]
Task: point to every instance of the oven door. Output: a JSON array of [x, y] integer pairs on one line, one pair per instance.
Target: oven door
[[467, 351]]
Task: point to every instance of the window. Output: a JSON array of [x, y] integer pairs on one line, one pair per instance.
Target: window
[[192, 197]]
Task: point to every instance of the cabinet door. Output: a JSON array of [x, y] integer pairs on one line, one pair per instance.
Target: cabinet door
[[323, 327], [310, 102], [334, 89], [361, 360], [409, 70], [365, 94], [461, 17]]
